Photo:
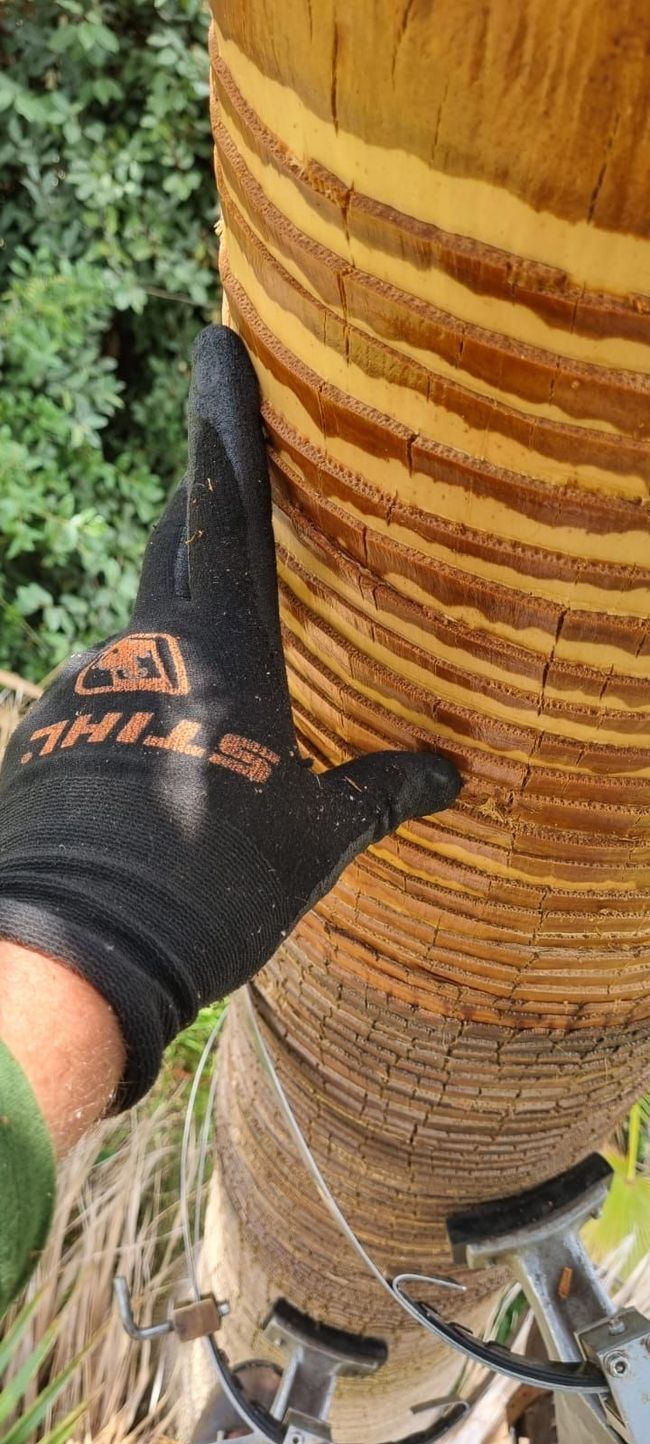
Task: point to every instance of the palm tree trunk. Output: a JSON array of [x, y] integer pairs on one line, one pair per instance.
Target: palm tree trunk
[[436, 249]]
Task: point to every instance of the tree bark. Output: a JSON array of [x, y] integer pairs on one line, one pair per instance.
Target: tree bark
[[437, 252]]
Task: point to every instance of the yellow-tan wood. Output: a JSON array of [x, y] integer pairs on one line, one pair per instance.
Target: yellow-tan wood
[[437, 250]]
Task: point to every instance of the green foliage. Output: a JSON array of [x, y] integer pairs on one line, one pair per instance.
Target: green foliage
[[183, 1054], [72, 521], [106, 274], [23, 1420], [625, 1218]]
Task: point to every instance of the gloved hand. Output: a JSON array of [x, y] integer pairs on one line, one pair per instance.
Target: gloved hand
[[159, 832]]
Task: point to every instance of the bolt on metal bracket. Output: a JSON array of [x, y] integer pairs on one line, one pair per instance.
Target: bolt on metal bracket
[[188, 1321], [621, 1347]]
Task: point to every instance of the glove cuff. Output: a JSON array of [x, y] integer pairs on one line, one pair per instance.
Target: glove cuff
[[132, 914]]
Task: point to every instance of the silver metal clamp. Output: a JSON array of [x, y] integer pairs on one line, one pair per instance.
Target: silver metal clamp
[[599, 1359]]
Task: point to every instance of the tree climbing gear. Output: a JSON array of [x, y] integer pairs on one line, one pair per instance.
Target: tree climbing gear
[[599, 1364], [316, 1356]]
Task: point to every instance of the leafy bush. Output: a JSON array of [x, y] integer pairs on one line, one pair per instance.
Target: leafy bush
[[106, 274]]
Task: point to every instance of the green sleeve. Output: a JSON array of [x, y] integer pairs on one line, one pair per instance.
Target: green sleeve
[[27, 1179]]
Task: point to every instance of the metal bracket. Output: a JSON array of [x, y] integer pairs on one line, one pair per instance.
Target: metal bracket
[[194, 1320], [299, 1432], [537, 1234], [621, 1346], [301, 1398], [316, 1358]]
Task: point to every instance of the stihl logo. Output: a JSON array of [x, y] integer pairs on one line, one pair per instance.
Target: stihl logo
[[237, 754], [143, 662]]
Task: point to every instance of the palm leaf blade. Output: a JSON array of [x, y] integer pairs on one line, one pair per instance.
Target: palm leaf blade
[[21, 1432], [12, 1392], [9, 1343]]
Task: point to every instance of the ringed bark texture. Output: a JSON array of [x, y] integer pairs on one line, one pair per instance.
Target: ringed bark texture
[[437, 251]]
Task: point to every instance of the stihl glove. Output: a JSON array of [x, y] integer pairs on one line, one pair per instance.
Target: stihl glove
[[159, 832]]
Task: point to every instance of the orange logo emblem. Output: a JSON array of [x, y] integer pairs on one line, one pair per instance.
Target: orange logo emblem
[[143, 662]]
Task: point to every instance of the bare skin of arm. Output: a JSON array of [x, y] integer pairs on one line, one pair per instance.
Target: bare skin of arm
[[65, 1037]]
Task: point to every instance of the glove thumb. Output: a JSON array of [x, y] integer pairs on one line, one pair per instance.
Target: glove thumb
[[363, 800]]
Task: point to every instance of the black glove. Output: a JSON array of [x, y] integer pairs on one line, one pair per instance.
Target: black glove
[[159, 832]]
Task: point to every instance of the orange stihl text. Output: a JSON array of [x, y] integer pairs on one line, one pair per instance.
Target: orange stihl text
[[237, 754]]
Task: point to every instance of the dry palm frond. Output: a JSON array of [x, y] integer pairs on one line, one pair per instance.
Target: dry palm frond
[[9, 717], [15, 695], [19, 687], [116, 1213]]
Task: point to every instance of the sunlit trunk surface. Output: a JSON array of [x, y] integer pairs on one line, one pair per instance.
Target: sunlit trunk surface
[[436, 222]]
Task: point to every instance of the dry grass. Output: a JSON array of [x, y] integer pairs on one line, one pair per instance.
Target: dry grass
[[117, 1212], [10, 711], [15, 696]]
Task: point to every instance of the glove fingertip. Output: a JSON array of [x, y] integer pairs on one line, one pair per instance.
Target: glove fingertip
[[417, 784], [222, 371], [443, 779]]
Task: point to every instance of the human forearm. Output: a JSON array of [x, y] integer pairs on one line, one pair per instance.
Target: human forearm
[[65, 1037]]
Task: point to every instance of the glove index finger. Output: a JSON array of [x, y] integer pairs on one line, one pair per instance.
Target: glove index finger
[[225, 394], [217, 541], [225, 390]]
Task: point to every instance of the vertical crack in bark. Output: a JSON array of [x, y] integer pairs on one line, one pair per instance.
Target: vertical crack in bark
[[335, 76], [402, 26], [603, 169]]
